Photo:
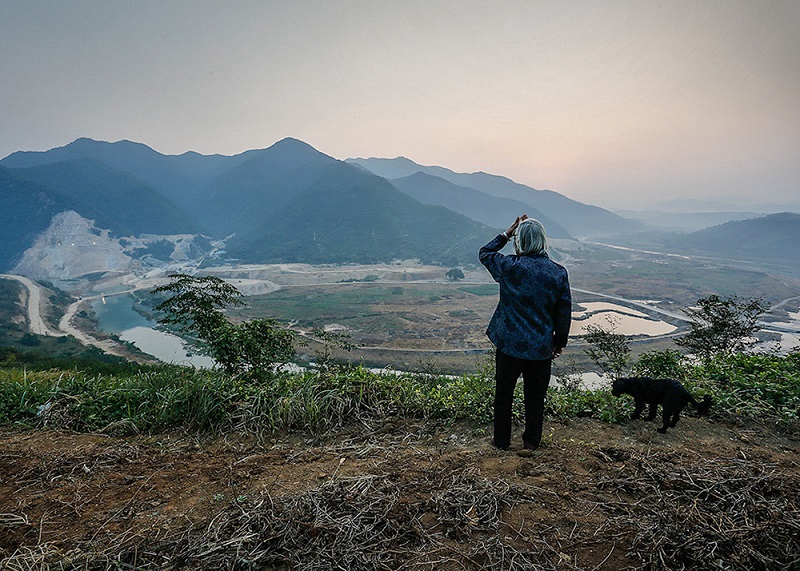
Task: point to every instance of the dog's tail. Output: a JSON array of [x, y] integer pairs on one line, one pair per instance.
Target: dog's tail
[[703, 406]]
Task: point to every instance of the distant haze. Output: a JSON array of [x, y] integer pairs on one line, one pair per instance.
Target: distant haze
[[619, 104]]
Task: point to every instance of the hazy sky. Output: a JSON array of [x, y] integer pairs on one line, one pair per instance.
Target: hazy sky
[[605, 102]]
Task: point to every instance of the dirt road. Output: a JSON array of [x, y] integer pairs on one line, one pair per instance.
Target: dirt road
[[37, 324], [39, 327]]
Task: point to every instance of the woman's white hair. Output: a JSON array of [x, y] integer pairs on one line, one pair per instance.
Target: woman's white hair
[[530, 238]]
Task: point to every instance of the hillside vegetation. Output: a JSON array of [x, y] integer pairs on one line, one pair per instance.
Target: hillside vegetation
[[26, 209], [114, 199], [166, 467]]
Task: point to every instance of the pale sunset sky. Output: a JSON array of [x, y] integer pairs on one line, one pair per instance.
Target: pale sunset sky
[[608, 102]]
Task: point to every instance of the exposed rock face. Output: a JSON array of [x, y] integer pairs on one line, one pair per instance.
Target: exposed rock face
[[72, 246]]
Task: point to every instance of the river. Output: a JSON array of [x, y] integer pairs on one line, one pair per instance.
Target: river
[[115, 315]]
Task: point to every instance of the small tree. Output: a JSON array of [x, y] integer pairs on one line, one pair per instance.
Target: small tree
[[256, 345], [196, 305], [567, 374], [722, 325], [455, 274], [331, 340], [607, 349], [196, 308]]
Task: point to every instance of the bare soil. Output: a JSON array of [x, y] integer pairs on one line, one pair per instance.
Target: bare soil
[[404, 494]]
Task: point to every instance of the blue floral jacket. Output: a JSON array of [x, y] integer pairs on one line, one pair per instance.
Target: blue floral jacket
[[534, 312]]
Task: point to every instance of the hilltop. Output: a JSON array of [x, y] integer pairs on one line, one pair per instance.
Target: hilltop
[[343, 467], [400, 494]]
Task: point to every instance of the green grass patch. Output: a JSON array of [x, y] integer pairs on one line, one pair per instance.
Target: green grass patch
[[488, 289], [312, 304], [760, 388], [201, 400], [764, 389]]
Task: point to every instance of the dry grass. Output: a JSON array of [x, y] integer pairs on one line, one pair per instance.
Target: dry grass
[[723, 513], [629, 499]]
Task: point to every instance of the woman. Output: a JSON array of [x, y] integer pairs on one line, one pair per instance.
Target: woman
[[529, 327]]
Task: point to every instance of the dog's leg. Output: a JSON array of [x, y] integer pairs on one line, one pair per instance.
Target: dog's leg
[[676, 415], [652, 412], [665, 414], [637, 412]]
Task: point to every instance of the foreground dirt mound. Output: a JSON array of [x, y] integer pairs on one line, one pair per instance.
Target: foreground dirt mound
[[404, 496]]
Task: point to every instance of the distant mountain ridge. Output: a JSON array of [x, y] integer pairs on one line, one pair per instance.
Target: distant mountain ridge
[[772, 238], [481, 206], [176, 176], [357, 217], [576, 218], [288, 202]]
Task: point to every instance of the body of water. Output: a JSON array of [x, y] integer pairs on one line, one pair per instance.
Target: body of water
[[789, 332], [115, 314]]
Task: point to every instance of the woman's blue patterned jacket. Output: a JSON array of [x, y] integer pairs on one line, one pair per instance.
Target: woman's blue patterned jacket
[[534, 312]]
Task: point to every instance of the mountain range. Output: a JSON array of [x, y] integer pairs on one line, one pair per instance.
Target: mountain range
[[760, 241], [286, 203], [502, 198], [771, 238]]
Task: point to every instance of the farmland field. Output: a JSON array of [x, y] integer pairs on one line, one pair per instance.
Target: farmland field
[[409, 316], [431, 322]]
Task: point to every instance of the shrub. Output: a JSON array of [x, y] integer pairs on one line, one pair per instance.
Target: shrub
[[662, 364], [722, 325], [607, 349]]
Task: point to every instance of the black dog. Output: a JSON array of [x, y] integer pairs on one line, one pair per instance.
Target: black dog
[[669, 393]]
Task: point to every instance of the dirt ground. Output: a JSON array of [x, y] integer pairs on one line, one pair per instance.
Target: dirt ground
[[594, 496]]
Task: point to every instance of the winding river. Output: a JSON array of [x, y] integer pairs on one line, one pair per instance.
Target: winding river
[[115, 314]]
